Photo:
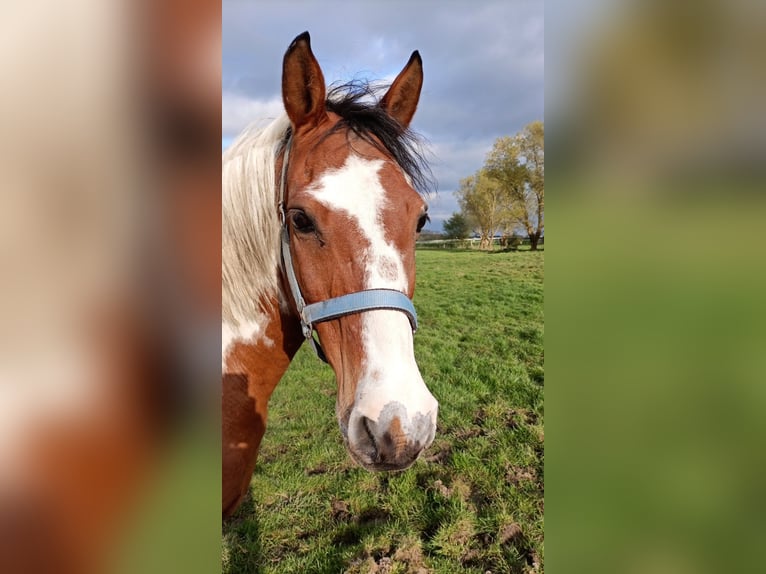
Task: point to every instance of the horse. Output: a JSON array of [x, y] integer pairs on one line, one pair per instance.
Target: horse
[[320, 213]]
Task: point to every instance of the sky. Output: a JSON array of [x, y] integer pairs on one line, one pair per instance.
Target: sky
[[483, 67]]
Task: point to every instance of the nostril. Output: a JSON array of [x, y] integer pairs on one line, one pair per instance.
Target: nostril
[[366, 424], [362, 437]]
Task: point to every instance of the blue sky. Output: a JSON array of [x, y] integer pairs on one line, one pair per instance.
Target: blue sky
[[483, 65]]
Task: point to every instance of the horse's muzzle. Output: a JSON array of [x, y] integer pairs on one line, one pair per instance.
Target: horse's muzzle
[[393, 441]]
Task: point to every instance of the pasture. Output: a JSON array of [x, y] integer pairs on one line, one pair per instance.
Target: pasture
[[474, 500]]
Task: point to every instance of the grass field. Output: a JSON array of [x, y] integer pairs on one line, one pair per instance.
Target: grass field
[[473, 502]]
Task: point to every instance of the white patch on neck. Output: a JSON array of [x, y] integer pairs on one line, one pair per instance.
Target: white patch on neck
[[245, 331], [390, 372]]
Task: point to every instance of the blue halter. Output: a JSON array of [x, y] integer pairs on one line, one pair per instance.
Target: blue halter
[[366, 300]]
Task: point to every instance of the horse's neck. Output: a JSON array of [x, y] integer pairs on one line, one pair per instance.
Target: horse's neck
[[255, 361], [262, 351]]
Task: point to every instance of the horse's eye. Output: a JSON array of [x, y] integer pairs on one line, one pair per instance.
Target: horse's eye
[[422, 222], [302, 223]]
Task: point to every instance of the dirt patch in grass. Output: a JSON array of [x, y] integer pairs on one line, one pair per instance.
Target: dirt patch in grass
[[533, 560], [440, 452], [469, 433], [410, 552], [480, 417], [318, 469], [512, 535], [406, 556], [272, 453], [509, 532], [340, 511], [441, 489], [517, 475], [459, 488], [516, 417], [369, 565], [371, 516]]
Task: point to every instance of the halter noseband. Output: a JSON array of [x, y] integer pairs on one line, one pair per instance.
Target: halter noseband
[[365, 300]]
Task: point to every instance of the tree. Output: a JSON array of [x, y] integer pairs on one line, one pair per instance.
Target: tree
[[518, 164], [481, 200], [456, 227]]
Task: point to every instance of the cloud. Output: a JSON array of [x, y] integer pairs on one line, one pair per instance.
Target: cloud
[[483, 65], [238, 111], [454, 159]]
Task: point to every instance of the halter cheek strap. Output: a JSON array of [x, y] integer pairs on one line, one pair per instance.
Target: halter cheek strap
[[366, 300]]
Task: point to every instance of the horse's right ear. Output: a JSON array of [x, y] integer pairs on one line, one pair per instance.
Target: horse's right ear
[[303, 89]]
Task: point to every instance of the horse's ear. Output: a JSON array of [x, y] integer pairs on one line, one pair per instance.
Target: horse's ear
[[303, 89], [402, 97]]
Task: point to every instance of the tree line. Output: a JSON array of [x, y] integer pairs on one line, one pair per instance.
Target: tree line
[[507, 194]]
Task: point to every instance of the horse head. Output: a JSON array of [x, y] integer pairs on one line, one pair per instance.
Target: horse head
[[351, 217]]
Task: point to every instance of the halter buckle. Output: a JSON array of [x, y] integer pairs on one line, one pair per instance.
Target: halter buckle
[[306, 326]]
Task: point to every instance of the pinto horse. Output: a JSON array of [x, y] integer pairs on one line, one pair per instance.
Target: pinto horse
[[320, 218]]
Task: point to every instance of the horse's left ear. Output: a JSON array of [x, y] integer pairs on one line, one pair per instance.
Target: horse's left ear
[[401, 99]]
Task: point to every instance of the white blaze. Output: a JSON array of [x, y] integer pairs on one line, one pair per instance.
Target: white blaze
[[390, 373]]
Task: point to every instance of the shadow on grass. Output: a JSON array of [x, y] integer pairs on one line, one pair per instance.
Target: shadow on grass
[[243, 534], [369, 521]]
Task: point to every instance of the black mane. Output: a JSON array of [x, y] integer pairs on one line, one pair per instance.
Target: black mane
[[356, 103]]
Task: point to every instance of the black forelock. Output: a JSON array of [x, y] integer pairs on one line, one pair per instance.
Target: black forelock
[[357, 104]]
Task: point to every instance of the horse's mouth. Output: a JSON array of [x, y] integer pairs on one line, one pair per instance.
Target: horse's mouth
[[391, 441], [369, 463], [376, 458]]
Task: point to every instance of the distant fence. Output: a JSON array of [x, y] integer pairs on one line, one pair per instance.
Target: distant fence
[[474, 243]]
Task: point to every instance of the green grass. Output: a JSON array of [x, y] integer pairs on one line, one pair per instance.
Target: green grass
[[474, 500]]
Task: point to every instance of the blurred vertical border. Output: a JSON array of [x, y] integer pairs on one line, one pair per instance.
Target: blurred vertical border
[[110, 134], [655, 282]]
